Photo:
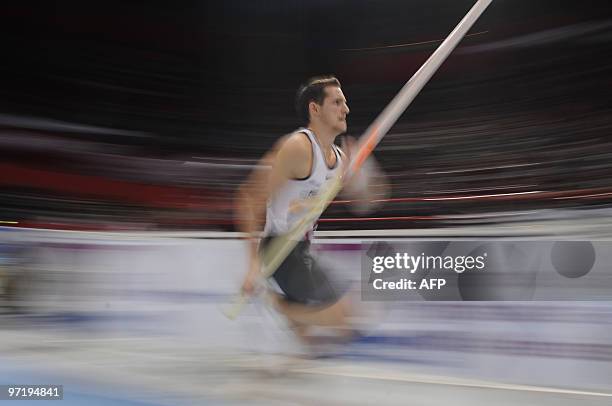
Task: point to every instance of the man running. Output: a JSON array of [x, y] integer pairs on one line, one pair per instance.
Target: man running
[[279, 190]]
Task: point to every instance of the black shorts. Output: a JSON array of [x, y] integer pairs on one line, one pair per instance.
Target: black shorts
[[302, 278]]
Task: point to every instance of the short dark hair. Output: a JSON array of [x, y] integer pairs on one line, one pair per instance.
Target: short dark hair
[[312, 90]]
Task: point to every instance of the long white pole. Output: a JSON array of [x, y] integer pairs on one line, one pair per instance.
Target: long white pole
[[385, 120]]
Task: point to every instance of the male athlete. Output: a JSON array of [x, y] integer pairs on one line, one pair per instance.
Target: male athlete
[[288, 176]]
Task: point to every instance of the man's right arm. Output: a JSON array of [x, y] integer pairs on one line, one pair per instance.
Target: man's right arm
[[288, 159]]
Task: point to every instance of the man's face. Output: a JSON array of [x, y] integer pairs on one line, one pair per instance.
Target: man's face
[[333, 111]]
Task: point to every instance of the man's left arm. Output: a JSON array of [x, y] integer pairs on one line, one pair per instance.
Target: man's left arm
[[367, 188]]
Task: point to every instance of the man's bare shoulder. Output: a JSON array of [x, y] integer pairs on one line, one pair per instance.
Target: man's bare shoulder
[[295, 143], [294, 154]]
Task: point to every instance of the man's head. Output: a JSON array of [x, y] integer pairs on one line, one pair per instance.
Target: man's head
[[320, 100]]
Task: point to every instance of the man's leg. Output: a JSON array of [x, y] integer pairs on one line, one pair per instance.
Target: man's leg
[[311, 296], [302, 317]]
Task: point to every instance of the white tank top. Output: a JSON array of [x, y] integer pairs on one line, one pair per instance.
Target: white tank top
[[288, 205]]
